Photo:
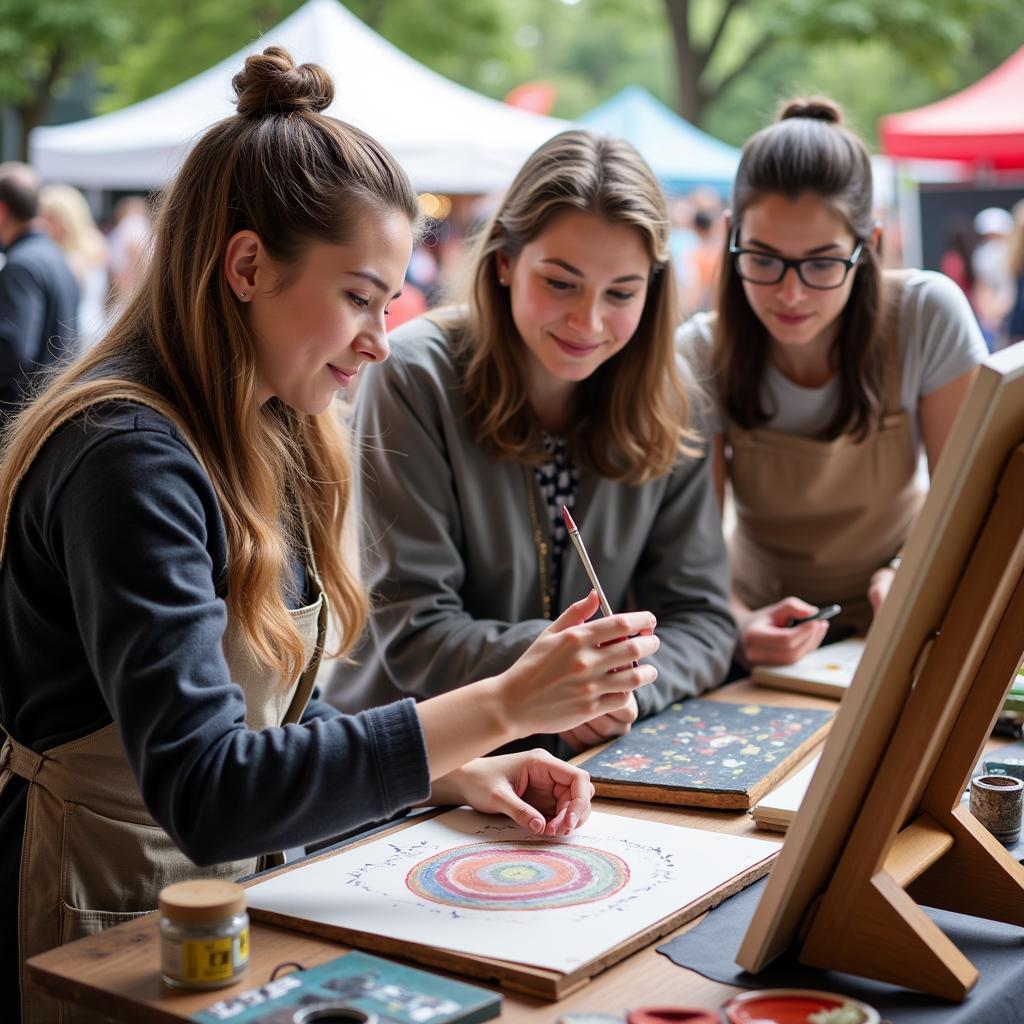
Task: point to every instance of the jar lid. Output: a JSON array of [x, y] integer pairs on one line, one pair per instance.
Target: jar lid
[[203, 899]]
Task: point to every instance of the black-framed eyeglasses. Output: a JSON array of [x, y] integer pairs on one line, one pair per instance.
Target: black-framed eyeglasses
[[821, 272]]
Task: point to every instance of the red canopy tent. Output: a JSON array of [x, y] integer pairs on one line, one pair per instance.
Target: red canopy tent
[[983, 125]]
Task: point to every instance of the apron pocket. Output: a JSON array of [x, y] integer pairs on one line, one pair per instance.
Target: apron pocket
[[116, 868], [76, 923]]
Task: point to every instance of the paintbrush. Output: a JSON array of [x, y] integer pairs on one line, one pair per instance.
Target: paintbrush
[[577, 542]]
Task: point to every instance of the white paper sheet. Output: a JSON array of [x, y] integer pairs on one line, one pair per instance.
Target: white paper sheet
[[461, 882], [782, 803], [831, 666]]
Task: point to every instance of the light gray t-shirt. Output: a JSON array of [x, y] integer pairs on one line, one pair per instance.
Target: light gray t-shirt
[[939, 341]]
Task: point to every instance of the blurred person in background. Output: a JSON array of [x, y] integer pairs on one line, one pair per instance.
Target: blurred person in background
[[681, 241], [38, 292], [69, 222], [957, 260], [129, 244], [704, 259], [993, 285], [424, 272], [1015, 321]]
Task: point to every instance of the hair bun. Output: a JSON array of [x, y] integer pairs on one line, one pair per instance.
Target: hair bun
[[270, 83], [817, 108]]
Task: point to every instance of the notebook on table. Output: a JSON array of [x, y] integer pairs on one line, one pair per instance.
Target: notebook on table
[[776, 811], [825, 672]]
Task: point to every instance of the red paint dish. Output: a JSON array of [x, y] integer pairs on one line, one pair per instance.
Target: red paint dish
[[790, 1006]]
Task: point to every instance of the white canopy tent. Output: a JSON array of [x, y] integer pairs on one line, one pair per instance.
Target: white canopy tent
[[449, 138]]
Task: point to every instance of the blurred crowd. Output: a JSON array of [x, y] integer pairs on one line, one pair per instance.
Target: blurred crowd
[[986, 259], [697, 240], [106, 264]]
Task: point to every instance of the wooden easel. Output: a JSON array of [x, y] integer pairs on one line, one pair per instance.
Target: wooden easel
[[912, 841]]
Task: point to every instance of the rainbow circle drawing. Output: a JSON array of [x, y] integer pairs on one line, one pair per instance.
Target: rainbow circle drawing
[[518, 876]]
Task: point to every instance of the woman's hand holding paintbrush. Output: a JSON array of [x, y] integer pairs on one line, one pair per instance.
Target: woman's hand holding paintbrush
[[576, 670], [611, 724]]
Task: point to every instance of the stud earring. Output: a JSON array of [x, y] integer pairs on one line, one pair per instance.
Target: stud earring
[[243, 295]]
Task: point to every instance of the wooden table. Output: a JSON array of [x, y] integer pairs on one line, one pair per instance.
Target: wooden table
[[117, 971]]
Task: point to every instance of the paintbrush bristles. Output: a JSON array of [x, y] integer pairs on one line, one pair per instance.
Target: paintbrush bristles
[[569, 524]]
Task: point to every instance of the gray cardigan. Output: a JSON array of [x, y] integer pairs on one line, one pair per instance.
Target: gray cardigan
[[452, 563]]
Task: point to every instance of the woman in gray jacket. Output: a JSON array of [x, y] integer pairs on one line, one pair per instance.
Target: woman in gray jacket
[[555, 382]]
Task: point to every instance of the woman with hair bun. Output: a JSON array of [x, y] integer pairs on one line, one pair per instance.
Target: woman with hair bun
[[172, 510], [554, 382], [827, 376]]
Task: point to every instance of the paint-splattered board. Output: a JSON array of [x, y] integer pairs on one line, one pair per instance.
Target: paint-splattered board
[[707, 753], [474, 894]]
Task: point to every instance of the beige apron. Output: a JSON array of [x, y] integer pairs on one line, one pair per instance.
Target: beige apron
[[816, 519], [91, 855]]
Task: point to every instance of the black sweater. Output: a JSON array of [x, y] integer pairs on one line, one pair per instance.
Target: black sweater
[[112, 608]]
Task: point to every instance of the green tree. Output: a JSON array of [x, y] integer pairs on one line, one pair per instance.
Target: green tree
[[453, 37], [736, 58], [718, 43], [168, 44], [42, 44]]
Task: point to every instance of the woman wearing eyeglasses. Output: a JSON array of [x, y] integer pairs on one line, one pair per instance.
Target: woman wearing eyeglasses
[[826, 377]]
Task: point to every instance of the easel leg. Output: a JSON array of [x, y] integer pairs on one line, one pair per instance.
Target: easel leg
[[868, 922], [918, 955], [977, 876]]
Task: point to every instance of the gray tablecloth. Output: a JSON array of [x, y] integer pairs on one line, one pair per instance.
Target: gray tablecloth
[[996, 949]]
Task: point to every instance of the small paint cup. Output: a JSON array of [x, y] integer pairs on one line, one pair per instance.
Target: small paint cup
[[996, 801], [672, 1015], [333, 1012]]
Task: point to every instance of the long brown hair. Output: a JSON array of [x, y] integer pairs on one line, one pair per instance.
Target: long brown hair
[[807, 150], [283, 170], [633, 415]]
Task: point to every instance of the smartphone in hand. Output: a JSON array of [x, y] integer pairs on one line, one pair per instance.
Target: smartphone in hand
[[829, 611]]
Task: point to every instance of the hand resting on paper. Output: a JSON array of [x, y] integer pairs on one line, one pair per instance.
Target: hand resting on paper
[[578, 671], [767, 640], [543, 795]]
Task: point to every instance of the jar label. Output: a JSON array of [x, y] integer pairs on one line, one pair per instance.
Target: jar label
[[206, 960]]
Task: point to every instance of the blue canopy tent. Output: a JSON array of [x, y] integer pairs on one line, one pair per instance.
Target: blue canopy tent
[[683, 157]]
